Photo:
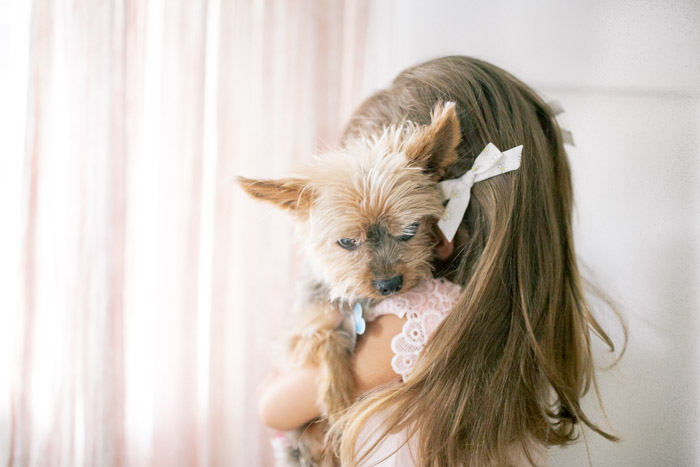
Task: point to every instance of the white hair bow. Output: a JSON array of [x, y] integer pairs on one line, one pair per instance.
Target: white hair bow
[[489, 163]]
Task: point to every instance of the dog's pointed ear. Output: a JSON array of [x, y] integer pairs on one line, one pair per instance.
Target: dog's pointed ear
[[293, 194], [433, 147]]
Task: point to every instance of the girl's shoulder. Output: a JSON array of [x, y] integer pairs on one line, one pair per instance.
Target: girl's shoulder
[[424, 307]]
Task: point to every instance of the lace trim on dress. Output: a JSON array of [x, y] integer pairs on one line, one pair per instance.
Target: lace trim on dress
[[424, 307]]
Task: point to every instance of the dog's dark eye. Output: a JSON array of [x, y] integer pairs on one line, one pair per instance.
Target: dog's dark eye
[[409, 232], [348, 243]]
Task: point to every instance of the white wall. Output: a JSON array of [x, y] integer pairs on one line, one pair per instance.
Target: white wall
[[628, 75]]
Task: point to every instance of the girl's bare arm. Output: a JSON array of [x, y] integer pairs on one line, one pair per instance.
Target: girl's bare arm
[[288, 400]]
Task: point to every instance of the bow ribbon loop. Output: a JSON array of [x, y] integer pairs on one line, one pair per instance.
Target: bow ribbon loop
[[457, 192]]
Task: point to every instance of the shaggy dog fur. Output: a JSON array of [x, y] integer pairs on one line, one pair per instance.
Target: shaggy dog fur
[[366, 214]]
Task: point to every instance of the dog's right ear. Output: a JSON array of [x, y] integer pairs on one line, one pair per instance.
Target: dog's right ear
[[286, 193]]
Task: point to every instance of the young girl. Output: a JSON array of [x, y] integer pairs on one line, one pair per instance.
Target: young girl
[[502, 373]]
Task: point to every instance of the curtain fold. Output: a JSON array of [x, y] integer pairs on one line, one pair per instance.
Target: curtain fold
[[151, 288]]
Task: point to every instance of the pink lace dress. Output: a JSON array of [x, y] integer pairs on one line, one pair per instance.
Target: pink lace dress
[[424, 307]]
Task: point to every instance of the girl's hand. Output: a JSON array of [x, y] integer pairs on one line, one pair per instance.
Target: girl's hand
[[288, 398]]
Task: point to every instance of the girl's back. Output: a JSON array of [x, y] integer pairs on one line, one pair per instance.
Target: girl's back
[[506, 369]]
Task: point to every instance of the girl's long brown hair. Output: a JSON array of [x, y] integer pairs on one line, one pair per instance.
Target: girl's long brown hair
[[510, 363]]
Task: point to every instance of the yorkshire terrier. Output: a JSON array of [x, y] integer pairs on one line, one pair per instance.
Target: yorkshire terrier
[[366, 214]]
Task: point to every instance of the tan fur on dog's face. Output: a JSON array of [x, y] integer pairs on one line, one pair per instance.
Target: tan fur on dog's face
[[371, 194]]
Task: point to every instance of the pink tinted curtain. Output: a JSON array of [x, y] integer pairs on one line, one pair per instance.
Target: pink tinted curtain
[[151, 288]]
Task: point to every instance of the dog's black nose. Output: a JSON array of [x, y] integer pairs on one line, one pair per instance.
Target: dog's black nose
[[389, 286]]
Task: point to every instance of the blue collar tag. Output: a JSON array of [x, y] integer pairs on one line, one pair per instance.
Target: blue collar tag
[[360, 324]]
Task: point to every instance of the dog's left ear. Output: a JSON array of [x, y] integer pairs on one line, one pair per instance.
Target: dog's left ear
[[433, 147]]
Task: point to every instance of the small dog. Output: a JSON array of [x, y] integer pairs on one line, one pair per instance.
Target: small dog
[[366, 214]]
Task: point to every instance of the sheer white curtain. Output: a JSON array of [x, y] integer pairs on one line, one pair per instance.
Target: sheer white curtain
[[143, 289]]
